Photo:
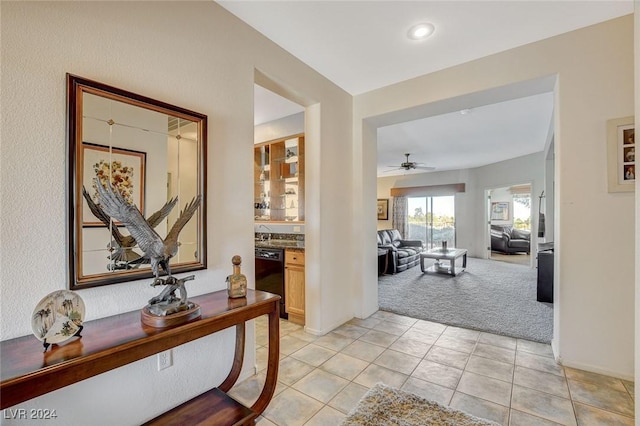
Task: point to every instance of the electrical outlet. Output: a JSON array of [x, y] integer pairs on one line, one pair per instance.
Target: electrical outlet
[[165, 360], [296, 229]]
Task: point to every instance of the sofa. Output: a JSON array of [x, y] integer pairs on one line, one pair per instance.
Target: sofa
[[401, 254], [506, 239]]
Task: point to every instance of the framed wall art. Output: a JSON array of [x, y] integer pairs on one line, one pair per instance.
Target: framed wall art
[[499, 211], [383, 209], [621, 154], [152, 152], [126, 168]]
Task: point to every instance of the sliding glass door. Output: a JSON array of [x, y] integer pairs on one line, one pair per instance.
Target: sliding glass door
[[432, 220]]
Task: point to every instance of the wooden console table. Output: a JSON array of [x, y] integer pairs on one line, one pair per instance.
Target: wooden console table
[[108, 343]]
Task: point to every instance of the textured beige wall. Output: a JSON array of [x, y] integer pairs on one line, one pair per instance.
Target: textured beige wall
[[198, 56]]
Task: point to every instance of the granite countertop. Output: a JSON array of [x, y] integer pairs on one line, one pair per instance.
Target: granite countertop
[[286, 244]]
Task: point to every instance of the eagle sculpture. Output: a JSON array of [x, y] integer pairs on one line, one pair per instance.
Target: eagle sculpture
[[159, 251], [123, 253]]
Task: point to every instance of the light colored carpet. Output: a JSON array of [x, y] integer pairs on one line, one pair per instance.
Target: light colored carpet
[[490, 296], [383, 405]]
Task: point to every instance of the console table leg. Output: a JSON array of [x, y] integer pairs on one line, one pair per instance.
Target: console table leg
[[273, 363], [236, 367]]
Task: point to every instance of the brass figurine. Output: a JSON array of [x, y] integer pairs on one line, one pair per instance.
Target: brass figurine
[[167, 303]]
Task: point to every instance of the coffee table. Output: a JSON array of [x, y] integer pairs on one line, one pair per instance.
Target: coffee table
[[450, 255]]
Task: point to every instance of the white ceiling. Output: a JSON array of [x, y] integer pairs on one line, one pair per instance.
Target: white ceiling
[[362, 46], [268, 106], [480, 136]]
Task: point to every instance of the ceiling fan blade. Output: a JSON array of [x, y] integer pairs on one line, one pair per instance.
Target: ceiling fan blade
[[425, 167]]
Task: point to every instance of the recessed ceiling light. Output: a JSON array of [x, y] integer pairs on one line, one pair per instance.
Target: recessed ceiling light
[[421, 31]]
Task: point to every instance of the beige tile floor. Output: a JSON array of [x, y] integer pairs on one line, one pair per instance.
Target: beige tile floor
[[511, 381]]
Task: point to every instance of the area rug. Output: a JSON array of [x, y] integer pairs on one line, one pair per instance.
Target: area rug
[[383, 405], [490, 296]]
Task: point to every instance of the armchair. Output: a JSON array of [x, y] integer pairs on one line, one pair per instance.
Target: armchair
[[402, 254], [508, 240]]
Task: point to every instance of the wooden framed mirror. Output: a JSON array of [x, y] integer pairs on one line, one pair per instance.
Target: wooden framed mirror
[[151, 152]]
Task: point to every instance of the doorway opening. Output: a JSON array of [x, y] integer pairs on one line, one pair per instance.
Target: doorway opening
[[509, 224], [279, 126]]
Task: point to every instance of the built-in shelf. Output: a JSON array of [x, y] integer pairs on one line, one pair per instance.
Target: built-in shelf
[[279, 167]]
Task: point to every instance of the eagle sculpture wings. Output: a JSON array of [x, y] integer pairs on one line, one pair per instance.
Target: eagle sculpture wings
[[124, 252], [157, 250]]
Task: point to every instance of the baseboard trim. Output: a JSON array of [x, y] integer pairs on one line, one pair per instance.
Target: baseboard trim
[[248, 372], [594, 369], [365, 315], [313, 331], [329, 329], [554, 349]]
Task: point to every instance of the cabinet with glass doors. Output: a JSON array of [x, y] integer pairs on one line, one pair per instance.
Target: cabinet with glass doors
[[279, 180]]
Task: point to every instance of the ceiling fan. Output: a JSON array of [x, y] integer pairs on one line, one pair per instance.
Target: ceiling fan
[[410, 165]]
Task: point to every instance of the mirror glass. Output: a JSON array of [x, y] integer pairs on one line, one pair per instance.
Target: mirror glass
[[152, 153]]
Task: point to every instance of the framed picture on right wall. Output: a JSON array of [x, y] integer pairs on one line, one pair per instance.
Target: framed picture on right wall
[[621, 154]]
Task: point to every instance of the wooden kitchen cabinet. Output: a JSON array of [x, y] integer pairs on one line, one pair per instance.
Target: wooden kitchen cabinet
[[294, 285]]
